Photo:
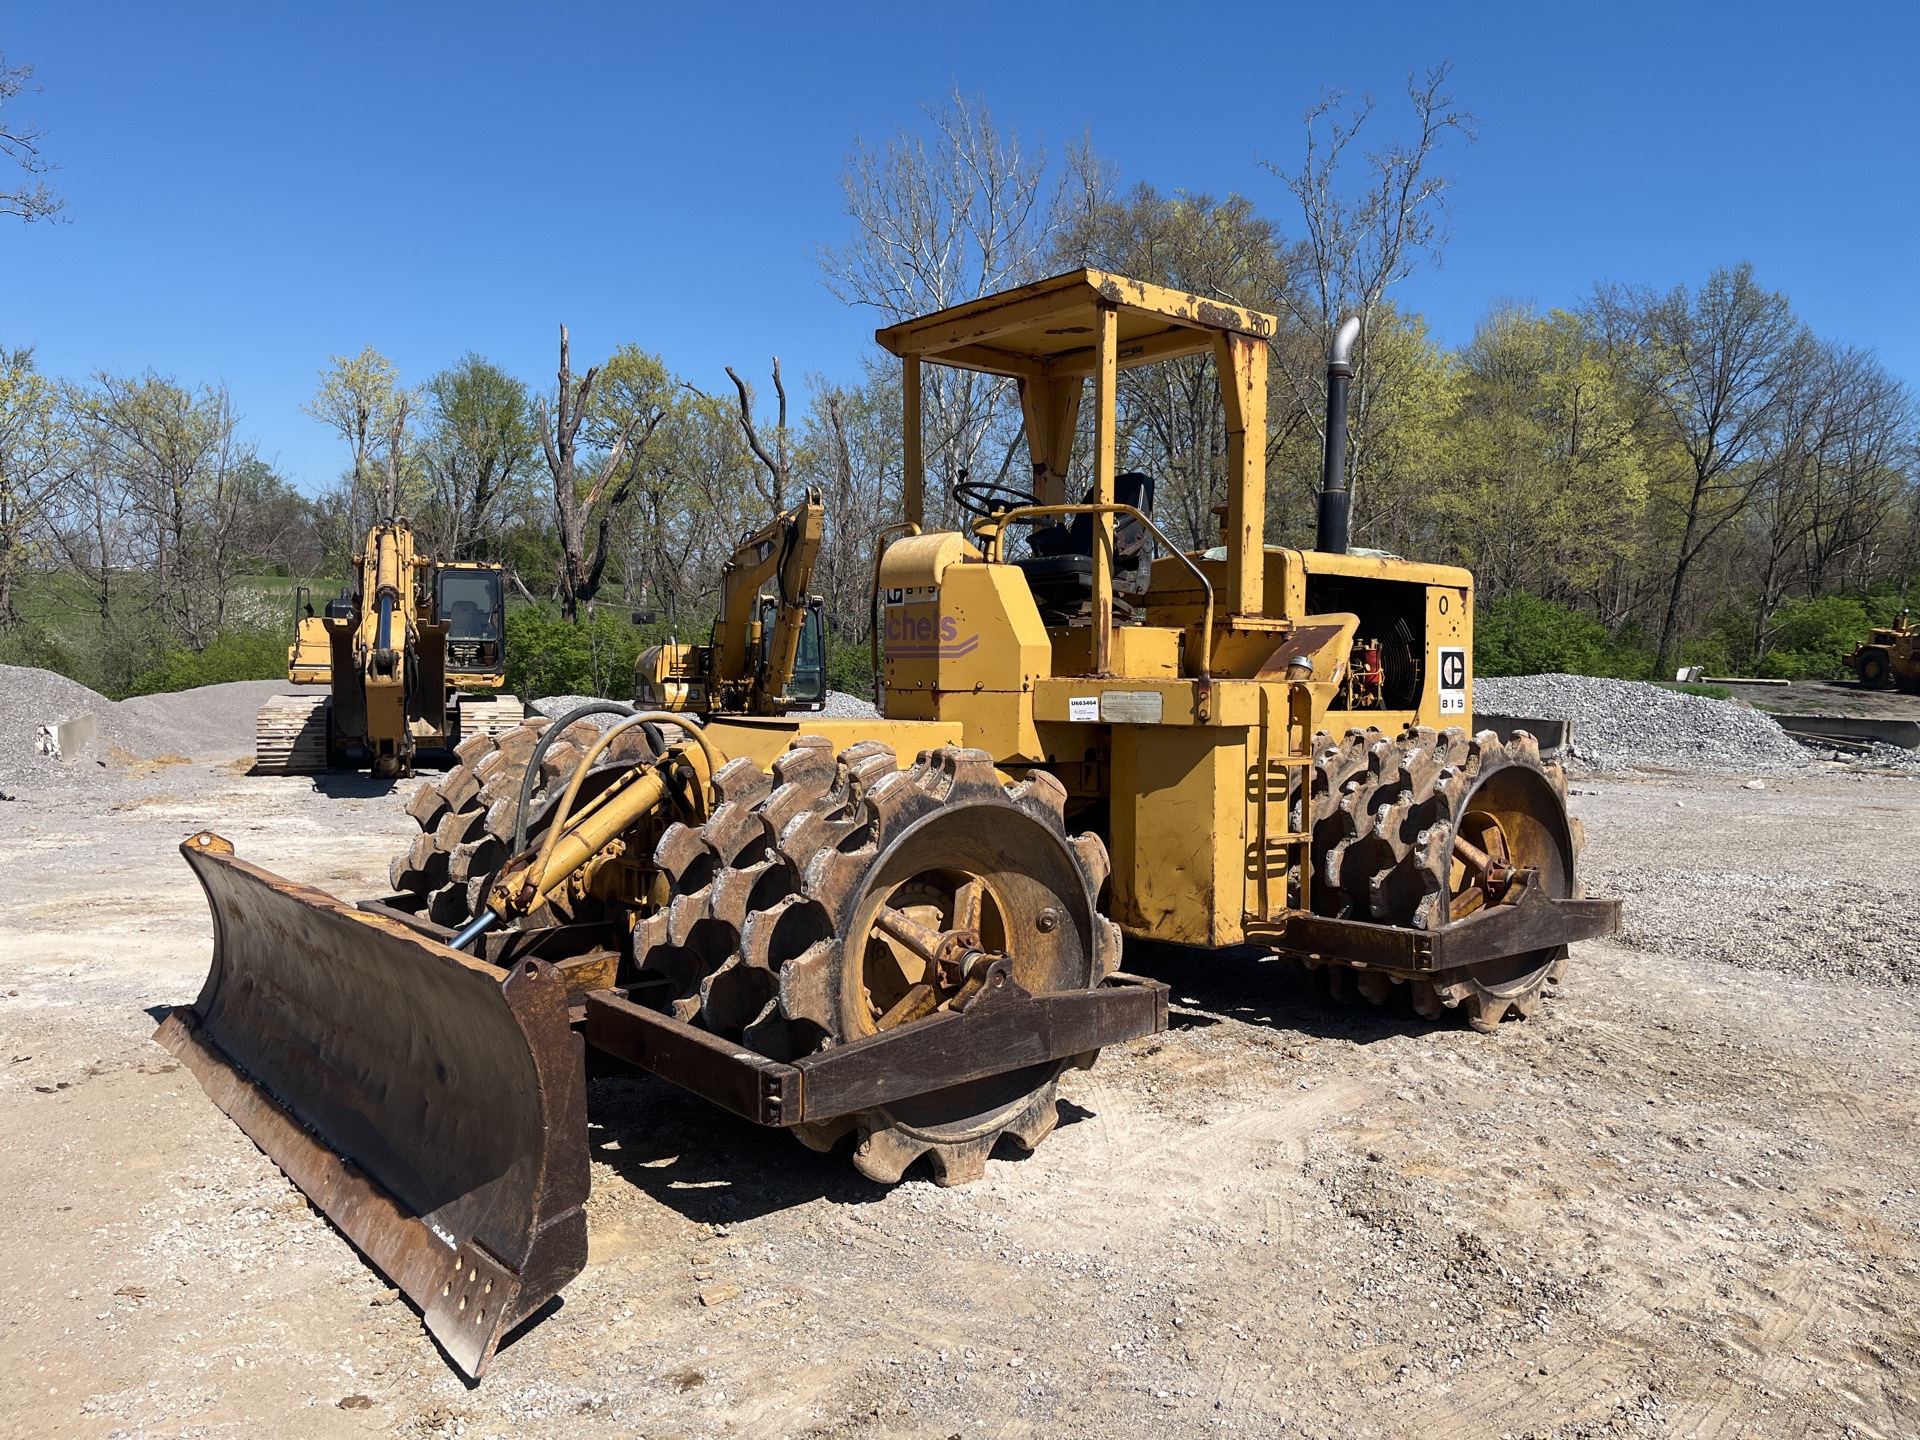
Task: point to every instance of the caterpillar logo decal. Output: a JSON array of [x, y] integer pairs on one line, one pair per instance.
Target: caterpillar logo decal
[[921, 632]]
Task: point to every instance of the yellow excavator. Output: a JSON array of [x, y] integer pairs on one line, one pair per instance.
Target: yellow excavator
[[412, 657], [893, 936], [767, 655]]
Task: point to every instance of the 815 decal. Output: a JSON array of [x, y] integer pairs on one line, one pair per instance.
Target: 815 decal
[[1453, 681]]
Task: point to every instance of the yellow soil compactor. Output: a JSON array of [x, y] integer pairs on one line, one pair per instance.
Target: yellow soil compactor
[[411, 655], [892, 936]]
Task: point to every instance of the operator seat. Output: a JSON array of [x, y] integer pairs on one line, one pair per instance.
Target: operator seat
[[466, 620], [1059, 565]]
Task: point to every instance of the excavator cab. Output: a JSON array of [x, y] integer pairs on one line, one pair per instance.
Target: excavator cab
[[807, 690], [471, 601]]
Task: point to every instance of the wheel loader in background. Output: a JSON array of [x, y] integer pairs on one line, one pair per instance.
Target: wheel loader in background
[[411, 655], [894, 935], [1890, 656]]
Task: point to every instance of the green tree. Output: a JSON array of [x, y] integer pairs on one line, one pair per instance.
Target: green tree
[[361, 399], [1541, 483], [38, 463], [477, 453], [1712, 368]]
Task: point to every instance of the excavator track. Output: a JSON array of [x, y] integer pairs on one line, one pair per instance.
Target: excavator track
[[489, 714], [816, 906], [1404, 827], [290, 736]]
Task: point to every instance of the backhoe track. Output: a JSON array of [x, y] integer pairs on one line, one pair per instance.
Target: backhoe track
[[290, 736]]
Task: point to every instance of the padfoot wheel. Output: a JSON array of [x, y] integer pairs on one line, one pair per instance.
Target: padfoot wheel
[[1424, 829], [467, 817], [842, 897]]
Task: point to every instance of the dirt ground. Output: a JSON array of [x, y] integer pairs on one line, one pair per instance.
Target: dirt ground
[[1680, 1202]]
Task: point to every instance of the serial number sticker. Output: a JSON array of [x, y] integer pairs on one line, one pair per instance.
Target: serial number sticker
[[1453, 680], [1083, 707], [913, 595]]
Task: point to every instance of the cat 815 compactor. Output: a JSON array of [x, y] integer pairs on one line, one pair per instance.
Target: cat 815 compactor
[[411, 656], [895, 934]]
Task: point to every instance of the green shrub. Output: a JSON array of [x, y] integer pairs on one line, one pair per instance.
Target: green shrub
[[1811, 636], [849, 665], [1521, 634], [548, 656], [239, 655]]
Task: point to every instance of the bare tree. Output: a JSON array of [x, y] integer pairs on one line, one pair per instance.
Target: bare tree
[[778, 463], [1361, 239], [584, 514], [944, 214], [32, 199], [38, 464], [1714, 369]]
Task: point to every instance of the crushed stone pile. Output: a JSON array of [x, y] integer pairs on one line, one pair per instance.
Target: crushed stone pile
[[214, 720], [842, 706], [1630, 725]]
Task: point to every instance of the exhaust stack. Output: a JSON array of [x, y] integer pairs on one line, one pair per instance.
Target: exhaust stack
[[1335, 500]]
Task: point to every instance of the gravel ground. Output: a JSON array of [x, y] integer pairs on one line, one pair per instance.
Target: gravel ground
[[1627, 725], [1681, 1201]]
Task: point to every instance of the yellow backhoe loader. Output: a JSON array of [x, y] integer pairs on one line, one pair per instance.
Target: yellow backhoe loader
[[767, 655], [412, 657], [894, 935]]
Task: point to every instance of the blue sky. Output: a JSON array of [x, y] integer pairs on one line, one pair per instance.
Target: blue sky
[[255, 187]]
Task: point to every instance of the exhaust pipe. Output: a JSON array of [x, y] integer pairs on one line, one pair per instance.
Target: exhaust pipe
[[1336, 502]]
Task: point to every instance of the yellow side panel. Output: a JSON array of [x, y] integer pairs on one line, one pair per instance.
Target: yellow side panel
[[310, 657], [763, 740], [1179, 832], [1139, 652], [1449, 658]]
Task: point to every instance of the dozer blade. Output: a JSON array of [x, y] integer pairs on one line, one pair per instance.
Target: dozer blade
[[433, 1106]]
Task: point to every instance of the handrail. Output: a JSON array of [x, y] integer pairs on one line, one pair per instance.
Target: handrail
[[1001, 519]]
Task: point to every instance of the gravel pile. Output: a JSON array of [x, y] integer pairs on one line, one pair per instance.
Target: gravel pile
[[212, 721], [30, 698], [1882, 756], [1628, 725], [842, 706]]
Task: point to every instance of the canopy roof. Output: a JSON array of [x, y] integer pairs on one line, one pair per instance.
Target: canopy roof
[[1048, 328]]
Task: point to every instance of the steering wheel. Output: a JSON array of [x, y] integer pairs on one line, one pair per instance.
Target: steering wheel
[[986, 500]]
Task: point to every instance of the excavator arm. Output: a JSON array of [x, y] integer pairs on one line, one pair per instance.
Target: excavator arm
[[783, 552], [747, 668]]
